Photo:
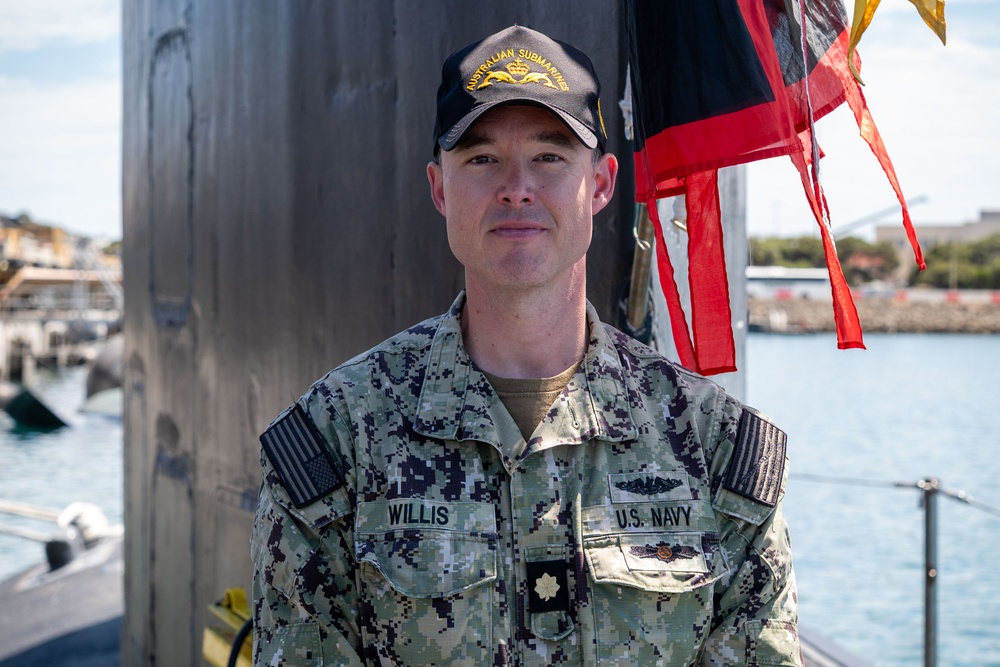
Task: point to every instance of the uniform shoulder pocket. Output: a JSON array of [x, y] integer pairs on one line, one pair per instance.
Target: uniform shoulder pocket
[[294, 645], [774, 643], [300, 470], [754, 480]]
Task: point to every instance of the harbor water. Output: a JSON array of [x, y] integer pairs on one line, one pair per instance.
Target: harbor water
[[51, 469], [908, 408]]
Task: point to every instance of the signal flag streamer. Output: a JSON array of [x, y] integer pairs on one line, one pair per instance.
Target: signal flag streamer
[[717, 83], [931, 11]]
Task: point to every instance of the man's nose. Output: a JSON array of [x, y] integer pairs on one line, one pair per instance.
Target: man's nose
[[517, 186]]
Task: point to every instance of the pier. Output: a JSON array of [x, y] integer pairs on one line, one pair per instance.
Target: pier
[[55, 317], [901, 311]]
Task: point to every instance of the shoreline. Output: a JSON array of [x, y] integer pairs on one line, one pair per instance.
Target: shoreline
[[879, 314]]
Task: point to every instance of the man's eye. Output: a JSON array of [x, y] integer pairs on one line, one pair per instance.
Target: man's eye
[[549, 157], [480, 159]]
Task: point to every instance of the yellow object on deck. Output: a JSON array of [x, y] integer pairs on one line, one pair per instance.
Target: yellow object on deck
[[217, 643]]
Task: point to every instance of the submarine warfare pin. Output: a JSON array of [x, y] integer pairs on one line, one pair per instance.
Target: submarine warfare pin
[[650, 486], [664, 551]]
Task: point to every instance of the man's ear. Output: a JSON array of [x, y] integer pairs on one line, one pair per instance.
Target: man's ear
[[436, 179], [605, 175]]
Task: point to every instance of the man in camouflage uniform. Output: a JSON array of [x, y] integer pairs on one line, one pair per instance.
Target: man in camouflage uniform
[[514, 482]]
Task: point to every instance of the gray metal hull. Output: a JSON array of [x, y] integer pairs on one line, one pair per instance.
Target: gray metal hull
[[277, 222]]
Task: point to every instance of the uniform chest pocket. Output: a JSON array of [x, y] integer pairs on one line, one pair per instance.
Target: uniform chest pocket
[[426, 581], [651, 586], [675, 562]]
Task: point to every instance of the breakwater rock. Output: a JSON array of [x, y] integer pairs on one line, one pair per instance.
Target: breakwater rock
[[878, 314]]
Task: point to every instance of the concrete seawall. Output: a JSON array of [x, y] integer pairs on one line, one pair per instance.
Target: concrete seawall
[[879, 314]]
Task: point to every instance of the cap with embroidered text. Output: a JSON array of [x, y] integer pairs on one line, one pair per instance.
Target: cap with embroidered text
[[518, 65]]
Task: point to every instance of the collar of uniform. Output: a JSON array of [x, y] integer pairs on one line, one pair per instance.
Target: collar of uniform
[[450, 407], [609, 411], [456, 398]]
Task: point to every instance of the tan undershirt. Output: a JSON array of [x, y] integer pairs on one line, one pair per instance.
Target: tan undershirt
[[528, 400]]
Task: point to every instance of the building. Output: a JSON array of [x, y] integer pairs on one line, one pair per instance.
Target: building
[[932, 235], [46, 268]]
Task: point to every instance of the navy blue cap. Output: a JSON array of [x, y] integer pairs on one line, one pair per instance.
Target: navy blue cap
[[523, 66]]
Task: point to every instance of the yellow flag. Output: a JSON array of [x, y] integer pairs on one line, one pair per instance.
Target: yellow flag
[[932, 11]]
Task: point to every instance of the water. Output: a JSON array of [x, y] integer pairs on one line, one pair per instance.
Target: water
[[81, 462], [910, 407]]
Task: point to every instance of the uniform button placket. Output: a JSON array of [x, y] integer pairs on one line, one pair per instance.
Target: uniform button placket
[[516, 496]]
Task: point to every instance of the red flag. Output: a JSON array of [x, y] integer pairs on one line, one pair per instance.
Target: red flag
[[818, 80], [723, 82], [707, 93], [707, 89]]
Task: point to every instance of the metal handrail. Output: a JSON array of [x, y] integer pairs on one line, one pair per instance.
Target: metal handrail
[[30, 511], [929, 489]]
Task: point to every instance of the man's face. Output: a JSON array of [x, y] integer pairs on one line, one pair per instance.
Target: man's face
[[519, 193]]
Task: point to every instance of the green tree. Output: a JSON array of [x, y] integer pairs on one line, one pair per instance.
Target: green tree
[[862, 261], [804, 252], [765, 252], [799, 252], [974, 265]]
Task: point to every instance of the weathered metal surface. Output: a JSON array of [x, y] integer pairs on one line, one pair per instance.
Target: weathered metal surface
[[277, 222]]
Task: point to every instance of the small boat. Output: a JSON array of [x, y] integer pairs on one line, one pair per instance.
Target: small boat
[[66, 610]]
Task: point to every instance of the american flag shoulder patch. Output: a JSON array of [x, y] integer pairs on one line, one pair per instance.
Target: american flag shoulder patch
[[758, 462], [301, 458]]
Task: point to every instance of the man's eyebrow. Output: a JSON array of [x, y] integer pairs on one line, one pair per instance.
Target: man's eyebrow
[[555, 138], [472, 139]]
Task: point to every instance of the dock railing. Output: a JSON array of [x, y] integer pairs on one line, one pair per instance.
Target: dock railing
[[929, 488]]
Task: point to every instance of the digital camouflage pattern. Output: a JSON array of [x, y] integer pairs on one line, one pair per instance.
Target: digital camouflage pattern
[[608, 538]]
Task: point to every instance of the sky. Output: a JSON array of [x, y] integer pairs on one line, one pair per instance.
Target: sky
[[938, 110], [936, 106], [60, 113]]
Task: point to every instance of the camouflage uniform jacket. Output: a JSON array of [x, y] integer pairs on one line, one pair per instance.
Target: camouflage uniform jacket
[[620, 533]]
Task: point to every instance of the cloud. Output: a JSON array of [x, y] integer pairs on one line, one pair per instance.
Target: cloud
[[61, 159], [26, 25]]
